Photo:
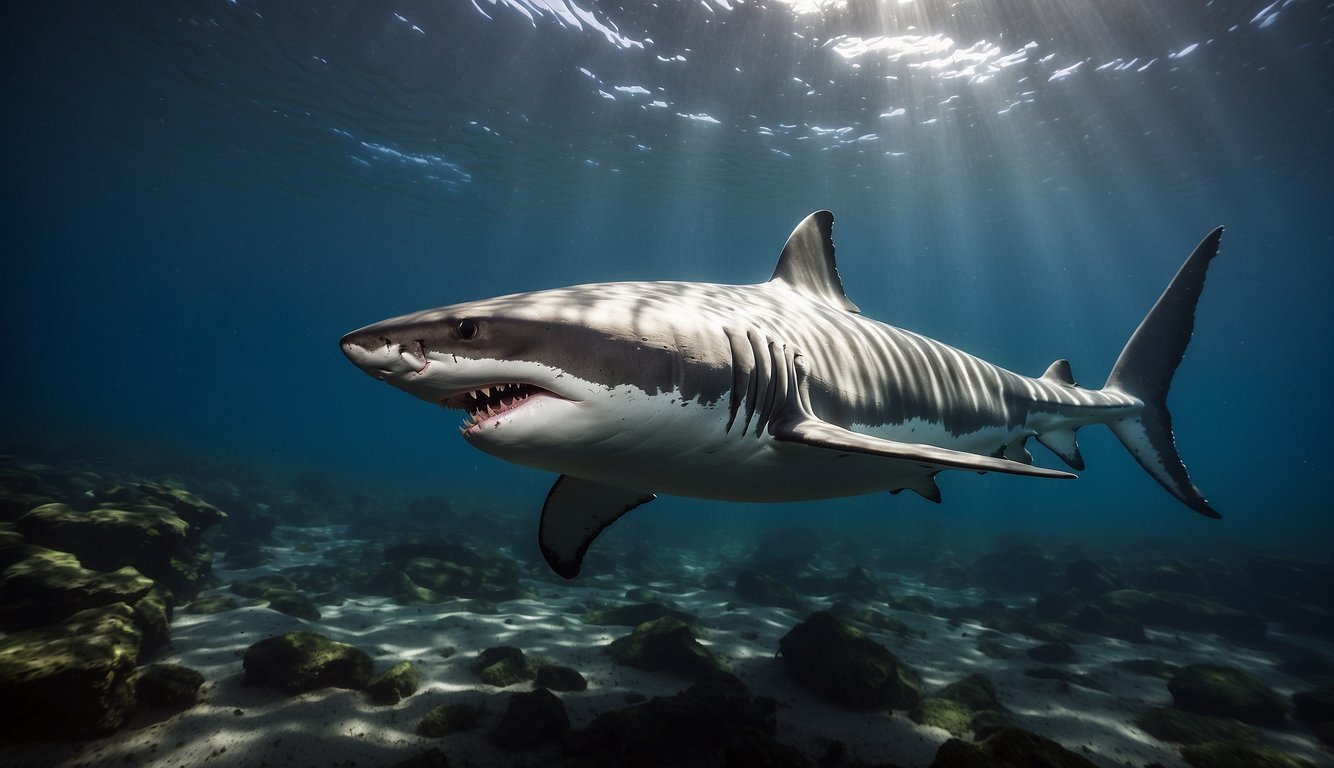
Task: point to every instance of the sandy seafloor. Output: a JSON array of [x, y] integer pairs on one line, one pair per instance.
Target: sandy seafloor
[[237, 725]]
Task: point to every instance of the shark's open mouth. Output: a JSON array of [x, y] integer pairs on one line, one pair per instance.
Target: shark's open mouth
[[491, 401]]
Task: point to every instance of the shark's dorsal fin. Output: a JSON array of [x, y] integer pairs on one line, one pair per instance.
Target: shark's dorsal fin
[[1059, 372], [807, 262]]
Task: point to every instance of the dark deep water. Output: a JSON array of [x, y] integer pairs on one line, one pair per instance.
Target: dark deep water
[[201, 198]]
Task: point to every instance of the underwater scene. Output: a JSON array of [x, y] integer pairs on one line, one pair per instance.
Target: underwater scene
[[839, 383]]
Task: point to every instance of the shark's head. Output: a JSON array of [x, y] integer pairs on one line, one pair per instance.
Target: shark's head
[[536, 376]]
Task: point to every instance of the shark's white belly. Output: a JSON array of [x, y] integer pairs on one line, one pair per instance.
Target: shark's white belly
[[670, 445]]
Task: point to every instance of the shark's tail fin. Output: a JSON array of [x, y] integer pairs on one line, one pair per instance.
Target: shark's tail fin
[[1145, 368]]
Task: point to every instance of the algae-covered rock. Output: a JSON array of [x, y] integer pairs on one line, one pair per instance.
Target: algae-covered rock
[[763, 589], [1315, 706], [862, 583], [152, 614], [71, 680], [210, 604], [502, 666], [1090, 578], [444, 719], [1008, 748], [263, 586], [945, 714], [964, 706], [1148, 668], [530, 719], [304, 661], [193, 510], [666, 645], [685, 729], [168, 685], [559, 678], [49, 586], [913, 604], [975, 691], [394, 684], [150, 538], [431, 758], [994, 648], [636, 614], [1053, 653], [1183, 611], [294, 604], [1240, 754], [1212, 689], [877, 620], [847, 667], [1182, 727], [1066, 678]]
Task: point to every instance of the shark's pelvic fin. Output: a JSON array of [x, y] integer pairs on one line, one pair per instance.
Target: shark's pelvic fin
[[1062, 443], [1145, 369], [807, 262], [576, 511]]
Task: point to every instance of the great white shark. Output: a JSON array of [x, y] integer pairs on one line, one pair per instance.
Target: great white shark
[[780, 391]]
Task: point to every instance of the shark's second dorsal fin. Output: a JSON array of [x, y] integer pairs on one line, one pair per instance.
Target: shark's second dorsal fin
[[1059, 373], [807, 261]]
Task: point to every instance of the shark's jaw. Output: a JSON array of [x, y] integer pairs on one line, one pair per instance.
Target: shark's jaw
[[488, 405]]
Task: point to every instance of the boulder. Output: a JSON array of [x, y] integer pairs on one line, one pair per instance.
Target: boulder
[[531, 719], [666, 645], [294, 604], [1053, 653], [394, 684], [686, 728], [1182, 727], [502, 666], [763, 589], [444, 719], [1315, 706], [559, 678], [49, 586], [1182, 611], [638, 613], [304, 661], [862, 584], [1089, 578], [1066, 678], [431, 758], [1148, 668], [168, 685], [846, 667], [210, 604], [1008, 748], [966, 706], [1240, 754], [150, 538], [1212, 689], [74, 679], [877, 621]]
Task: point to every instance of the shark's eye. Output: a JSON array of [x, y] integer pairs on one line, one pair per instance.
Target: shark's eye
[[467, 329]]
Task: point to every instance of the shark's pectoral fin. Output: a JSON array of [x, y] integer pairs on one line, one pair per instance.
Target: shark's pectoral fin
[[795, 423], [576, 511], [822, 434]]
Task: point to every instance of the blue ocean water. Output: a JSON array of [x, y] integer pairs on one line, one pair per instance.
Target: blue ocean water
[[202, 197]]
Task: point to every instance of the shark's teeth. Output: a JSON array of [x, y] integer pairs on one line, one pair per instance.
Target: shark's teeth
[[491, 401]]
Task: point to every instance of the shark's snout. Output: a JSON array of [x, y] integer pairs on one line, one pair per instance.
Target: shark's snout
[[381, 356]]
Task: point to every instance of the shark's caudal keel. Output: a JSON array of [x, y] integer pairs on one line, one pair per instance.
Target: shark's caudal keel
[[780, 391]]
